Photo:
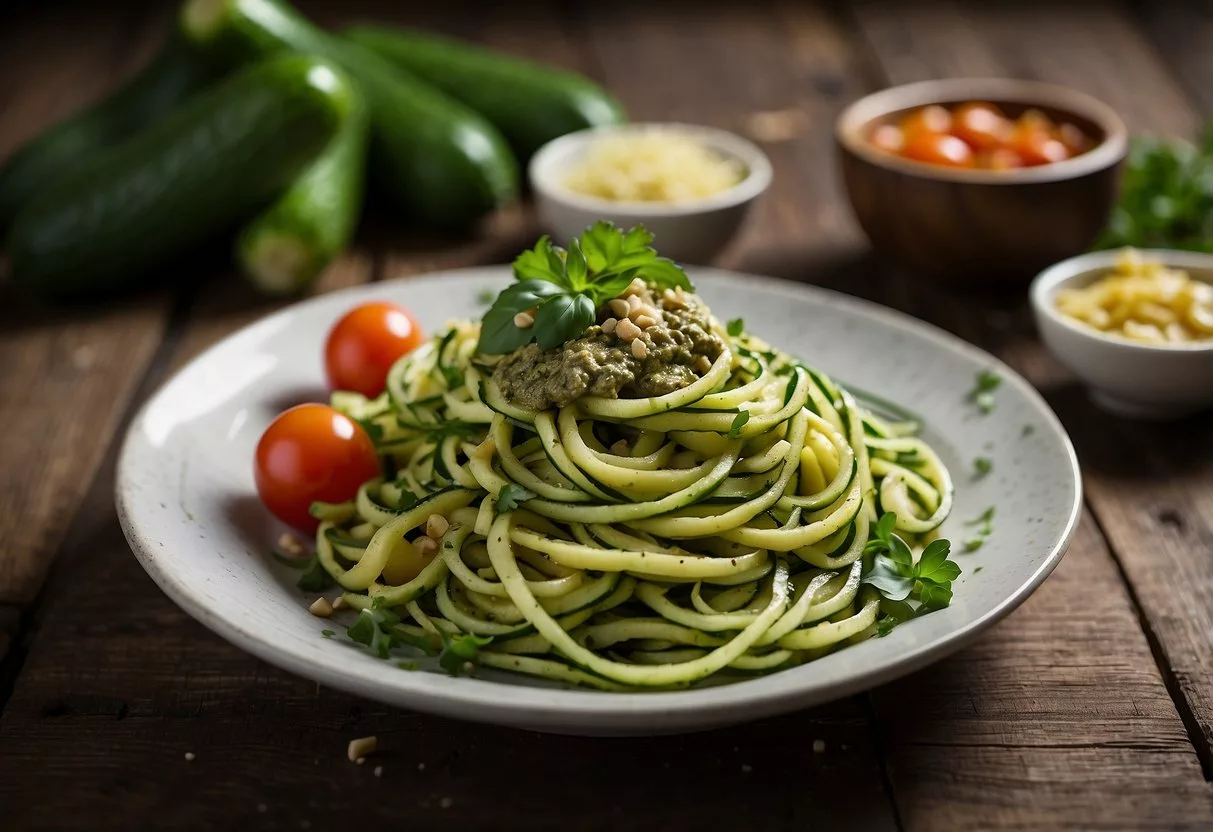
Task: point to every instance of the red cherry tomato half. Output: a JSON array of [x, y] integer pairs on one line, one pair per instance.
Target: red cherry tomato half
[[363, 346], [938, 149], [311, 452], [981, 126]]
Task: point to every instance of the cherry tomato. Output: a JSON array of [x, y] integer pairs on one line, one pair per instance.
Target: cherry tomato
[[1038, 147], [1073, 138], [311, 452], [929, 119], [363, 346], [981, 126], [888, 137], [938, 150], [1000, 158]]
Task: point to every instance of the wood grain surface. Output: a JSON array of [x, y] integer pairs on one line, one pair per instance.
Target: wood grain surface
[[1088, 708]]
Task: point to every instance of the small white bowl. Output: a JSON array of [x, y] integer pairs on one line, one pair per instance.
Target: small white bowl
[[1127, 377], [693, 231]]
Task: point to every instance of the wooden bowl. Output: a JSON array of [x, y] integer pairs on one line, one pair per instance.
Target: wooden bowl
[[980, 228]]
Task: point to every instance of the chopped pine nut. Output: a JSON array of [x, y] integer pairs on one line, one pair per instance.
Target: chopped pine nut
[[620, 448], [702, 364], [425, 546], [524, 320], [674, 299], [189, 756], [633, 302], [608, 326], [639, 349], [290, 545], [339, 603], [644, 321], [321, 608], [627, 331], [620, 307], [636, 287], [436, 526], [360, 747], [646, 310]]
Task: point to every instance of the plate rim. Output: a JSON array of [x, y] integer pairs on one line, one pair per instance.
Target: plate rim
[[558, 709]]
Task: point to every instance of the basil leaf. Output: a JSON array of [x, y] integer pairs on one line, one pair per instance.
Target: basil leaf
[[735, 327], [610, 287], [498, 335], [886, 576], [562, 318]]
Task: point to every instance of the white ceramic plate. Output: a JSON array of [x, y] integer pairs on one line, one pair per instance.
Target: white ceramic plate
[[186, 500]]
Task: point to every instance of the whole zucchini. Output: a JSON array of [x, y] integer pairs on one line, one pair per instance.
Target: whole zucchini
[[530, 103], [429, 153], [194, 173], [285, 248], [177, 72]]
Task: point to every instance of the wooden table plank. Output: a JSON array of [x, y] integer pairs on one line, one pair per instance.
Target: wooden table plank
[[1106, 56], [68, 375]]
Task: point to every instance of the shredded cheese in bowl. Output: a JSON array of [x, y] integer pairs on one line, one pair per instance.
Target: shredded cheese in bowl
[[659, 166], [1143, 300]]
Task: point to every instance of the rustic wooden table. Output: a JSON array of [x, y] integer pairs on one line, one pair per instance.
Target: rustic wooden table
[[1090, 707]]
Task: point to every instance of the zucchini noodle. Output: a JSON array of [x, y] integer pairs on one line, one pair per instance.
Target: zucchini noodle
[[617, 544]]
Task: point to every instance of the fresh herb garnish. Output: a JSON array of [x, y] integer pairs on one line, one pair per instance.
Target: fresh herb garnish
[[907, 588], [511, 496], [739, 422], [373, 629], [327, 633], [565, 288], [974, 543], [735, 327], [1028, 430], [316, 578], [458, 652], [485, 296], [982, 393], [985, 521], [982, 466], [290, 562], [406, 664], [1166, 196]]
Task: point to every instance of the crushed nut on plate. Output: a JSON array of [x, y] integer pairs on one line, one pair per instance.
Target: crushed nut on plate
[[359, 748]]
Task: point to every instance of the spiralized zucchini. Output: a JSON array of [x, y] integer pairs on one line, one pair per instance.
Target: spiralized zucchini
[[633, 543]]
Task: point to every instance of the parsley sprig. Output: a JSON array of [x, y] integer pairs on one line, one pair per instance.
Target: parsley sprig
[[907, 588], [982, 393], [566, 287]]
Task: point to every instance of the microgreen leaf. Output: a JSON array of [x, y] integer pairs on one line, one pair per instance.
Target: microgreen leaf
[[511, 496], [484, 297], [540, 263], [973, 544], [739, 422], [460, 651], [575, 267], [373, 629], [934, 565], [327, 633], [315, 579], [982, 466], [982, 393], [735, 327], [933, 596]]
